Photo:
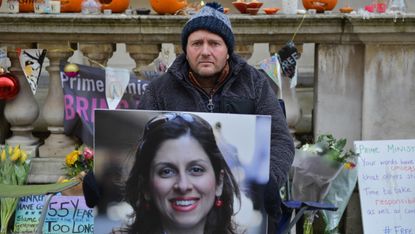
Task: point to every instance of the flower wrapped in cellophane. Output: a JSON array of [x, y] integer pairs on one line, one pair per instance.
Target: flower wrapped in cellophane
[[315, 167], [14, 169]]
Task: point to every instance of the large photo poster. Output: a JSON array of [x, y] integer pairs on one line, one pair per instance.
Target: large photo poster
[[173, 169]]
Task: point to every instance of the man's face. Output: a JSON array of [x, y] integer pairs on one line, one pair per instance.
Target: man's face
[[207, 53]]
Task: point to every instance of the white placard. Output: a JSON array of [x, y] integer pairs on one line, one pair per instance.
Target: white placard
[[116, 81], [386, 175]]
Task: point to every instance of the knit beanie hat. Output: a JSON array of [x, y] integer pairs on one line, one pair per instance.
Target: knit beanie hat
[[212, 19]]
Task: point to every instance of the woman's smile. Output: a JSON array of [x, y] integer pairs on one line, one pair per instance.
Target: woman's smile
[[184, 204]]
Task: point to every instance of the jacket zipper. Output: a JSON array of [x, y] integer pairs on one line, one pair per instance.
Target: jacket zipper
[[210, 104]]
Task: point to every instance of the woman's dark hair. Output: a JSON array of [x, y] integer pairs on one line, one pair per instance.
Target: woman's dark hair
[[171, 126]]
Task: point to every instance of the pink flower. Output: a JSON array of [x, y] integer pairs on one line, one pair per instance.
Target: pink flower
[[88, 153]]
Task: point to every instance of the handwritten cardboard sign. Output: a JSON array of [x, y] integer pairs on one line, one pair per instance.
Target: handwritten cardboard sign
[[386, 174], [66, 214]]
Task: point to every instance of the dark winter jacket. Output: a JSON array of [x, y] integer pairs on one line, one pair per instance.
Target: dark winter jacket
[[246, 91]]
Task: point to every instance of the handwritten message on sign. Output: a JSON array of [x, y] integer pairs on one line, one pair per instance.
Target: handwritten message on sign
[[386, 174], [66, 214]]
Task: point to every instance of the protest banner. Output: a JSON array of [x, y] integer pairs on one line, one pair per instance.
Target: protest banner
[[85, 92]]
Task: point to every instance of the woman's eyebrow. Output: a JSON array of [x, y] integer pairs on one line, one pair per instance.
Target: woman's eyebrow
[[160, 164], [199, 161]]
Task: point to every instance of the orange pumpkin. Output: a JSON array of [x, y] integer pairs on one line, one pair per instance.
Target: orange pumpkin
[[320, 5], [71, 5], [167, 6], [26, 6], [116, 6]]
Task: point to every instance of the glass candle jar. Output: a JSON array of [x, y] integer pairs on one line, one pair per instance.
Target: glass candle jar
[[289, 6]]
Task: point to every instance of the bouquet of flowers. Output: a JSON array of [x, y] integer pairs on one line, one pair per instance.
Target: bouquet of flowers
[[14, 169], [315, 168], [79, 160], [77, 164]]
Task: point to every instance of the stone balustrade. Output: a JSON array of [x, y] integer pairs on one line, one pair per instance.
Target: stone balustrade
[[364, 70]]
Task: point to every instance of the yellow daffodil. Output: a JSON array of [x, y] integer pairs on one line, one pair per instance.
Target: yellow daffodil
[[23, 156], [17, 147], [12, 173], [3, 155], [16, 154]]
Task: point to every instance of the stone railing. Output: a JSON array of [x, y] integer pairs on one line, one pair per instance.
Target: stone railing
[[364, 69]]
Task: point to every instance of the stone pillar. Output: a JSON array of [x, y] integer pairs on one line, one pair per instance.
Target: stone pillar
[[352, 216], [23, 110], [178, 49], [389, 92], [4, 126], [338, 91], [338, 95], [289, 95], [244, 50], [45, 170], [57, 144], [143, 55], [97, 54]]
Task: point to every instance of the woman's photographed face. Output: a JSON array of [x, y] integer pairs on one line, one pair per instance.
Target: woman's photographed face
[[182, 182]]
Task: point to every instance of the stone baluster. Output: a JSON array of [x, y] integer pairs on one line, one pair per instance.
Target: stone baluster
[[244, 50], [289, 95], [97, 54], [143, 55], [23, 110], [57, 144], [178, 49], [4, 126]]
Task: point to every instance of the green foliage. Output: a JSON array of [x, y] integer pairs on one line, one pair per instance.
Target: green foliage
[[326, 145], [14, 169]]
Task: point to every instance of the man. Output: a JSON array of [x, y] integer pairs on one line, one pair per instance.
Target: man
[[210, 77]]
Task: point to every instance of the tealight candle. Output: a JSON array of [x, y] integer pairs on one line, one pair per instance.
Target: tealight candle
[[107, 12]]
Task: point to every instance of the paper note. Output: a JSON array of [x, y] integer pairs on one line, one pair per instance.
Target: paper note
[[386, 175]]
